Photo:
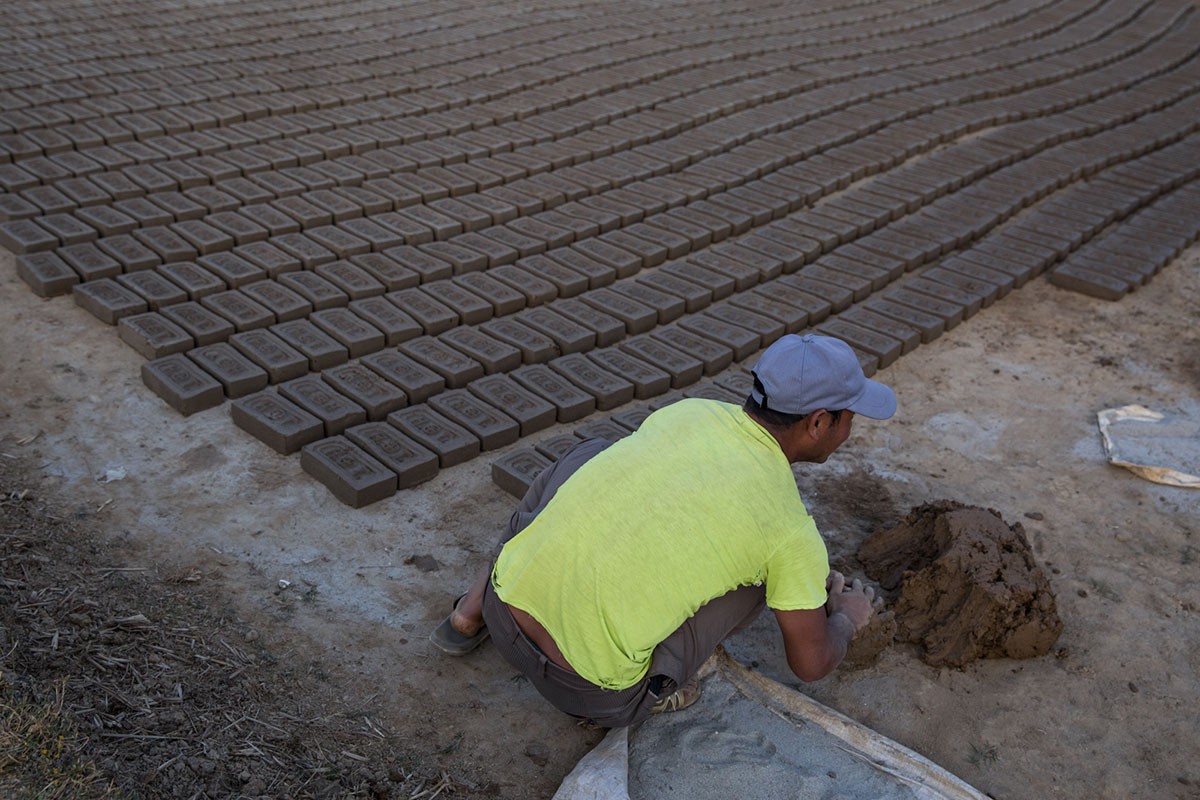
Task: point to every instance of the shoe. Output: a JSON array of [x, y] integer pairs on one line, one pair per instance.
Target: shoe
[[679, 699], [453, 643]]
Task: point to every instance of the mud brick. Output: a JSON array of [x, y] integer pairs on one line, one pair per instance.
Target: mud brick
[[107, 300], [192, 278], [1094, 283], [412, 462], [1020, 267], [741, 341], [321, 349], [597, 272], [387, 270], [817, 308], [336, 411], [203, 237], [203, 325], [179, 206], [564, 281], [713, 355], [534, 347], [283, 303], [743, 275], [519, 287], [237, 374], [622, 261], [428, 266], [811, 229], [609, 389], [106, 220], [249, 192], [984, 291], [417, 381], [432, 315], [396, 195], [531, 412], [310, 253], [276, 421], [608, 328], [452, 443], [908, 336], [240, 309], [461, 259], [318, 291], [739, 381], [24, 236], [515, 472], [765, 301], [455, 367], [377, 237], [595, 213], [1001, 280], [768, 328], [280, 360], [146, 176], [232, 269], [365, 198], [38, 200], [571, 402], [494, 354], [160, 243], [67, 229], [683, 368], [555, 447], [860, 276], [154, 288], [884, 349], [647, 380], [969, 302], [270, 219], [667, 306], [513, 240], [730, 210], [858, 281], [352, 474], [442, 226], [358, 336], [549, 235], [717, 284], [340, 243], [304, 213], [235, 226], [379, 312], [571, 337], [637, 317], [492, 427], [929, 326], [836, 295], [153, 335], [469, 307], [183, 385], [951, 313], [367, 388], [46, 273], [719, 228], [353, 281], [578, 227]]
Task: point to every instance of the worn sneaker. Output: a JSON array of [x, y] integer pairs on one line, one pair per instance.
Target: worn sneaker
[[679, 699]]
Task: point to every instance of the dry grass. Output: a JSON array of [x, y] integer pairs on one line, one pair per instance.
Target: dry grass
[[119, 682]]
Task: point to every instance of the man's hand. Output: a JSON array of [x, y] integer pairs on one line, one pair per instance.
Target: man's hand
[[855, 601]]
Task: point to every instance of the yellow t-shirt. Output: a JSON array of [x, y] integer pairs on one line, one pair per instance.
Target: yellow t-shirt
[[699, 501]]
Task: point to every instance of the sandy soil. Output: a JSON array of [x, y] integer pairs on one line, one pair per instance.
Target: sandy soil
[[999, 412]]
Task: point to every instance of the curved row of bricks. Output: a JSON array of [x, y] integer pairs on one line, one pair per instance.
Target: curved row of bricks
[[676, 211]]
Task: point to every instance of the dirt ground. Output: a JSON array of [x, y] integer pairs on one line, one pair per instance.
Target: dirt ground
[[303, 623]]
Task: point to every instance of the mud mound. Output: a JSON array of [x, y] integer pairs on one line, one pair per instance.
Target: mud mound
[[969, 586]]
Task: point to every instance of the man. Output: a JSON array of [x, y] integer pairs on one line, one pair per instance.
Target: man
[[627, 564]]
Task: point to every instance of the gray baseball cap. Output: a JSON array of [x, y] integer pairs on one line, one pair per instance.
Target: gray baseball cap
[[801, 374]]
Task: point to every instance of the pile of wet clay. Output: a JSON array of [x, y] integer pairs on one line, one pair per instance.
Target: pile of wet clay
[[968, 585]]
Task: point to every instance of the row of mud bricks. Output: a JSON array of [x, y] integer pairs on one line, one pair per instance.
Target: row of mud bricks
[[397, 238]]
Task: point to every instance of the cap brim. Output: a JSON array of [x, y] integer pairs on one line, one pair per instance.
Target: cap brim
[[877, 401]]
